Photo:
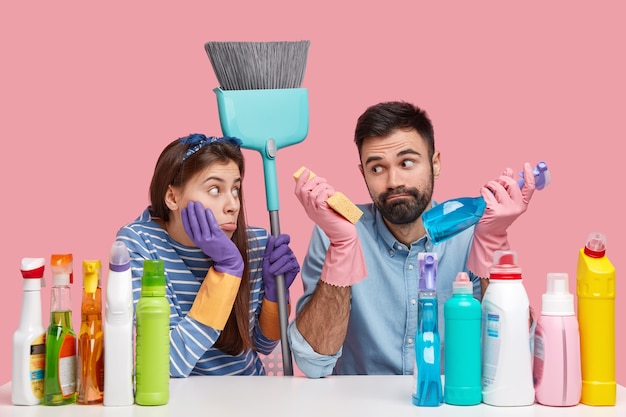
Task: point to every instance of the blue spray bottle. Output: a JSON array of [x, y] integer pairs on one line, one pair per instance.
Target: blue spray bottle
[[453, 216], [428, 391]]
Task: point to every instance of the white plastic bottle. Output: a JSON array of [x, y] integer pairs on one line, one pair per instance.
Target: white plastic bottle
[[118, 330], [29, 346], [507, 361]]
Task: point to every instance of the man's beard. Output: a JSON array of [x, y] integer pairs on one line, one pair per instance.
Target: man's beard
[[405, 210]]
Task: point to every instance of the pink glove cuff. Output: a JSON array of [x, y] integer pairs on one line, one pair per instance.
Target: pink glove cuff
[[481, 253], [344, 265]]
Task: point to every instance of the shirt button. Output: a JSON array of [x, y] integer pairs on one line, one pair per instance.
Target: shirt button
[[410, 267], [410, 340], [413, 301]]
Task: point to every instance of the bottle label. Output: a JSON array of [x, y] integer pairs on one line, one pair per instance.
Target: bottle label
[[491, 348], [67, 366], [37, 365], [539, 355]]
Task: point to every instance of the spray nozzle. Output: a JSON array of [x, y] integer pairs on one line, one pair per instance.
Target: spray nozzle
[[92, 270], [596, 245], [427, 269], [62, 270], [541, 174]]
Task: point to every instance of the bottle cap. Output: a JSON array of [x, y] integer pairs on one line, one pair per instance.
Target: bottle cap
[[92, 271], [596, 245], [119, 258], [505, 266], [62, 271], [557, 300], [427, 269], [462, 284], [33, 268], [153, 279]]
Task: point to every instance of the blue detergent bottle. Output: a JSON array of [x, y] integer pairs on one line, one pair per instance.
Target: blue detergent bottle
[[453, 216], [428, 391], [463, 372]]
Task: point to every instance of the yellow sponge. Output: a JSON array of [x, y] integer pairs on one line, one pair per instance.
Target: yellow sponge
[[338, 201]]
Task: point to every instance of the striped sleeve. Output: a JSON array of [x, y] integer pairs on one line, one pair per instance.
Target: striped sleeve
[[257, 240]]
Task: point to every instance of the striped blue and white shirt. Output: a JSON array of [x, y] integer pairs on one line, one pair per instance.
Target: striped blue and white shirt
[[191, 342]]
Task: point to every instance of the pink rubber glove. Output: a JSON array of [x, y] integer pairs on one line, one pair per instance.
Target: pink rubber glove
[[505, 202], [344, 264], [202, 227], [278, 259]]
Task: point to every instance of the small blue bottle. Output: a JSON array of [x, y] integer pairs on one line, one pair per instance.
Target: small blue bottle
[[453, 216], [428, 391], [463, 372]]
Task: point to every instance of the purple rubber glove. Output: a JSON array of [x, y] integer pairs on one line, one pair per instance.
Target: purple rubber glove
[[203, 229], [278, 259], [505, 203]]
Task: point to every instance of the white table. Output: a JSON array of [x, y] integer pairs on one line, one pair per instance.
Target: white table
[[293, 396]]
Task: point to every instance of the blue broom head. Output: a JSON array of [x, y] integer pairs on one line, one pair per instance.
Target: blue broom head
[[256, 116]]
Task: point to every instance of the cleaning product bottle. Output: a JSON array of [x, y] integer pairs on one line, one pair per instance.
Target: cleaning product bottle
[[451, 217], [153, 338], [507, 361], [60, 373], [118, 329], [90, 375], [29, 345], [595, 288], [556, 365], [428, 391], [462, 315]]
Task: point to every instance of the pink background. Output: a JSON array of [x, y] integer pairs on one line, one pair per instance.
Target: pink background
[[91, 93]]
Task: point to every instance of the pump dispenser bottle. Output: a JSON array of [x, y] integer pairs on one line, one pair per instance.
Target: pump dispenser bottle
[[507, 362], [29, 346], [428, 391], [60, 373], [462, 316], [153, 338], [90, 376], [118, 329], [595, 287], [556, 365]]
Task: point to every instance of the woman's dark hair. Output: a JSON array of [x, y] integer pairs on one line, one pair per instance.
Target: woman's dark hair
[[172, 169]]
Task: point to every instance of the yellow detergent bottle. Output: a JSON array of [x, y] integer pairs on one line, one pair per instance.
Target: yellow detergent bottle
[[595, 288]]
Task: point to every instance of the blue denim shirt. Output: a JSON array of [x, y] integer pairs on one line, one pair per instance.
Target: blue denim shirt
[[383, 315]]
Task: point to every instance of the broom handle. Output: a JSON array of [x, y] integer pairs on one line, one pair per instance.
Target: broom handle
[[281, 292]]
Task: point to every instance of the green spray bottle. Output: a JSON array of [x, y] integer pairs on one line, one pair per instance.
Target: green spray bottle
[[153, 338], [60, 368]]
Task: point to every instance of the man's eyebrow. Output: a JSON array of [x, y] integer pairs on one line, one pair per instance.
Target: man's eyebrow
[[408, 151]]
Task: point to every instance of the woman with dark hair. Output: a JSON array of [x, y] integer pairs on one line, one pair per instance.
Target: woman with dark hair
[[220, 272]]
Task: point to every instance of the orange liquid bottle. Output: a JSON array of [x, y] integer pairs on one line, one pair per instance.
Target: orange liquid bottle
[[90, 376]]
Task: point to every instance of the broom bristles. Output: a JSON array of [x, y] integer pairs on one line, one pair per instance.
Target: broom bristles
[[258, 65]]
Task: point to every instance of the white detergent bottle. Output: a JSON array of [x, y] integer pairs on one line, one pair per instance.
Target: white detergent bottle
[[29, 345], [507, 361], [118, 330]]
